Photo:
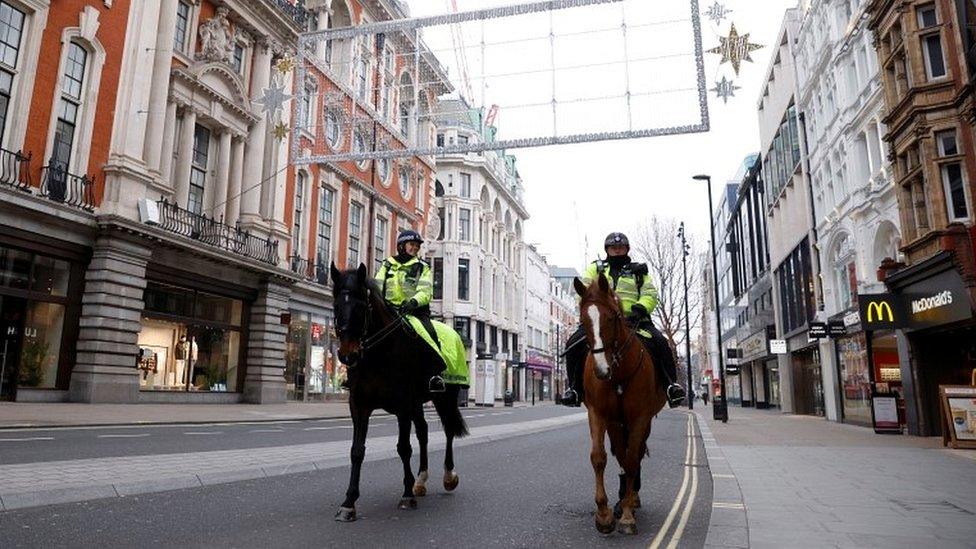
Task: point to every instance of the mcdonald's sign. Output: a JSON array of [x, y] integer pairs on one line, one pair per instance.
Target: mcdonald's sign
[[881, 312]]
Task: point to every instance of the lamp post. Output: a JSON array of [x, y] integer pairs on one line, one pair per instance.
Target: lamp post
[[684, 269], [719, 410]]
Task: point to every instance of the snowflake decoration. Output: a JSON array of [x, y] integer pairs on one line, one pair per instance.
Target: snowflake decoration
[[717, 12], [274, 99], [735, 49], [725, 89]]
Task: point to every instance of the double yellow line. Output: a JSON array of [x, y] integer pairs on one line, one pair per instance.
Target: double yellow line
[[689, 490]]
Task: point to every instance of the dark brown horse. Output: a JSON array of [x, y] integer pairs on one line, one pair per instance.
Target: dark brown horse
[[622, 397]]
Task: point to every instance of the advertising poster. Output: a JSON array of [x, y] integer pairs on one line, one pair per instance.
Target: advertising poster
[[885, 413], [962, 416]]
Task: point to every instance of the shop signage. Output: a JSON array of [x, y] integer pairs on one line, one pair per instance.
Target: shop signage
[[754, 346], [880, 311], [836, 328], [731, 369], [885, 414], [777, 346], [818, 330], [937, 300], [852, 319]]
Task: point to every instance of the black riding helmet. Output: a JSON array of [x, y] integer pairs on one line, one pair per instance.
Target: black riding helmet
[[408, 235], [616, 239]]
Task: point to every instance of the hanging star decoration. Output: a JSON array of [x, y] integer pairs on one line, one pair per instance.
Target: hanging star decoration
[[285, 64], [725, 89], [717, 12], [280, 130], [274, 99], [735, 49]]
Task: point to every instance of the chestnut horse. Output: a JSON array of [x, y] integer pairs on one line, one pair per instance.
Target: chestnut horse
[[622, 396]]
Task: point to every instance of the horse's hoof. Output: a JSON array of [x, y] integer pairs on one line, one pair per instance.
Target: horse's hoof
[[451, 481], [407, 504], [605, 528], [419, 490], [627, 528], [637, 503], [346, 514]]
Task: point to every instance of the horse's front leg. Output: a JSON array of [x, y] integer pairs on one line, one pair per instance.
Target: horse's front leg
[[598, 458], [420, 424], [405, 450], [360, 425], [630, 461]]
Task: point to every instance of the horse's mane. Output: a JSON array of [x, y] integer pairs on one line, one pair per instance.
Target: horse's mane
[[376, 297]]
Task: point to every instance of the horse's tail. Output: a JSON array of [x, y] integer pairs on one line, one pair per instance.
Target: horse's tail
[[446, 404]]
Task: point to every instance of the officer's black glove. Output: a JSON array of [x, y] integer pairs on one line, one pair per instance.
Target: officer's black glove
[[408, 306], [639, 311]]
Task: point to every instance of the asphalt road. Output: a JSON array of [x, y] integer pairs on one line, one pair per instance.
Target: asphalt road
[[62, 443], [526, 491]]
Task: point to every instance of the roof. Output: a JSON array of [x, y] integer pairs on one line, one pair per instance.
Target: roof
[[563, 272]]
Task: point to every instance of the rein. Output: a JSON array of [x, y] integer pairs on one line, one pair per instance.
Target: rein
[[383, 333], [615, 355]]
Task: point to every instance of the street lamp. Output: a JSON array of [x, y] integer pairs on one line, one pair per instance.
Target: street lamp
[[720, 410], [684, 269]]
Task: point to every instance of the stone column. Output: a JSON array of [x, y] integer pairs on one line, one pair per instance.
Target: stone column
[[162, 64], [105, 369], [181, 174], [323, 24], [264, 382], [254, 157], [222, 176], [169, 134], [233, 209]]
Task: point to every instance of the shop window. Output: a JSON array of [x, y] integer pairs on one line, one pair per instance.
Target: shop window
[[190, 341], [41, 346], [15, 268]]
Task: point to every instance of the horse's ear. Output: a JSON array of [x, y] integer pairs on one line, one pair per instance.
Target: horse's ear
[[603, 283], [334, 272], [362, 273], [579, 286]]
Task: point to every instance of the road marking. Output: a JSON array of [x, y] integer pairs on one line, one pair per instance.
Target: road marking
[[662, 533], [726, 505], [680, 530], [266, 431], [31, 439], [203, 433], [124, 436], [327, 428], [716, 475]]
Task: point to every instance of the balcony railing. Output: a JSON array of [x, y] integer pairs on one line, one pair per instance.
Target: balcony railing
[[60, 185], [15, 170], [294, 10], [309, 270], [215, 233]]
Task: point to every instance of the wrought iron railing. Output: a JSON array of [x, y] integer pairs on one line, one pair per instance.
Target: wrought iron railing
[[60, 185], [309, 270], [215, 233], [15, 169], [295, 10]]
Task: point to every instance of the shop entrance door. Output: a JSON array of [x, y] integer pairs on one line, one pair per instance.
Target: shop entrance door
[[13, 311]]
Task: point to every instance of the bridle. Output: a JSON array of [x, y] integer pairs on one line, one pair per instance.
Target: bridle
[[365, 342], [615, 355]]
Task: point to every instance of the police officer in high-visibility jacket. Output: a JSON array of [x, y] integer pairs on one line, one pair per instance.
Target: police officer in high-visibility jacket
[[638, 297], [408, 286]]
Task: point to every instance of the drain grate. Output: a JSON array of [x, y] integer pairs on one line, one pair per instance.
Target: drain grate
[[932, 506]]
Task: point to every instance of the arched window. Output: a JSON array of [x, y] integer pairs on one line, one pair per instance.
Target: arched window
[[438, 188]]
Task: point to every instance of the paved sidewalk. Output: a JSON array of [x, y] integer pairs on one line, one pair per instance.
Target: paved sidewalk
[[798, 481], [26, 415], [34, 484]]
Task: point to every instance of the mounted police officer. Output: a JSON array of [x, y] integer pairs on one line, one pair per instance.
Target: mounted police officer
[[408, 286], [638, 296]]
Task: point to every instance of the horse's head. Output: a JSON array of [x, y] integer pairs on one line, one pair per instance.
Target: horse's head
[[602, 320], [350, 294]]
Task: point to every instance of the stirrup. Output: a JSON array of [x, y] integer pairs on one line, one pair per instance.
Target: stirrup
[[436, 385], [570, 398], [676, 395]]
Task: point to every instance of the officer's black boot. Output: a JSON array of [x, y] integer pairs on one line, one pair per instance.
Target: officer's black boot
[[676, 395], [569, 398], [436, 385]]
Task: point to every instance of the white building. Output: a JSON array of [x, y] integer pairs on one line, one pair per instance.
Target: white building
[[792, 253], [563, 319], [536, 383], [478, 257], [855, 203]]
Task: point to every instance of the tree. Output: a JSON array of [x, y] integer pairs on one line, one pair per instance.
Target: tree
[[656, 242]]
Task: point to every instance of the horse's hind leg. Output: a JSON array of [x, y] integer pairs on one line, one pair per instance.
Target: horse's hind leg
[[405, 450], [420, 424], [360, 425], [451, 478], [598, 458], [631, 461]]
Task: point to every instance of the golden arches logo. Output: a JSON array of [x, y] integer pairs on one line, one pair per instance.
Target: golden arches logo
[[880, 309]]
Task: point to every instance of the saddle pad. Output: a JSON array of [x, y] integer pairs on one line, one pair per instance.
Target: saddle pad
[[451, 350]]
